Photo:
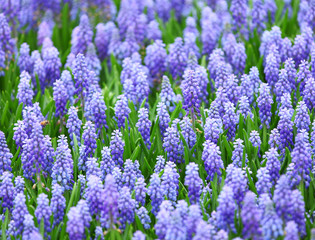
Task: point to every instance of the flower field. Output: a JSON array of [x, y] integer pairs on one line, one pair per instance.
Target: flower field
[[157, 119]]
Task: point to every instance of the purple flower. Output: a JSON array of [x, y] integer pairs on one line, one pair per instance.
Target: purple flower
[[109, 211], [144, 125], [142, 88], [221, 100], [286, 49], [193, 182], [271, 70], [283, 85], [209, 34], [93, 195], [140, 191], [60, 98], [285, 128], [302, 118], [89, 138], [298, 211], [239, 57], [130, 45], [93, 168], [236, 178], [138, 235], [246, 88], [159, 165], [164, 118], [188, 132], [211, 156], [238, 153], [215, 59], [309, 93], [25, 92], [19, 137], [122, 110], [74, 125], [291, 231], [232, 89], [92, 61], [62, 171], [126, 206], [286, 103], [239, 9], [213, 129], [81, 75], [58, 204], [7, 190], [176, 228], [117, 148], [52, 64], [177, 58], [299, 49], [5, 154], [155, 58], [75, 224], [270, 222], [24, 60], [102, 38], [167, 94], [251, 215], [273, 164], [155, 192], [30, 231], [81, 36], [259, 15], [44, 30], [153, 31], [107, 164], [289, 66], [18, 213], [226, 209], [129, 175], [7, 43], [172, 145], [170, 179], [85, 214], [264, 102], [144, 217], [263, 185], [163, 219], [244, 108], [255, 139], [303, 74], [302, 158], [230, 120], [99, 233], [254, 78], [43, 211], [98, 111]]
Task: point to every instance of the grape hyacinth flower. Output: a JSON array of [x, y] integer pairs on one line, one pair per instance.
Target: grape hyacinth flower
[[188, 132], [244, 108], [89, 138], [246, 88], [109, 209], [226, 209], [155, 58], [92, 61], [126, 206], [193, 182], [176, 228], [93, 168], [153, 31], [309, 93], [264, 184], [140, 191], [302, 118], [163, 219], [170, 179], [143, 215], [122, 110], [117, 148], [177, 58], [173, 145], [75, 224], [58, 204], [81, 76], [259, 14], [74, 125], [24, 60], [7, 190], [213, 128], [19, 136], [155, 192], [62, 171], [251, 215], [238, 9], [239, 58], [282, 198], [302, 158], [81, 36], [18, 213], [25, 92], [273, 164], [164, 118], [270, 222], [238, 153], [43, 211], [167, 94], [98, 111], [102, 38], [299, 49], [271, 70], [236, 178], [129, 174], [232, 89], [29, 229], [286, 103], [303, 74], [52, 64], [85, 214], [298, 211], [283, 85], [19, 184], [142, 88], [93, 195], [255, 139], [264, 102], [289, 66], [211, 156], [291, 231], [60, 98], [285, 128], [144, 125], [5, 154], [230, 120], [107, 164]]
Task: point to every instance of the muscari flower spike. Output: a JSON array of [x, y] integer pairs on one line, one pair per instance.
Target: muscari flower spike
[[5, 154], [74, 125], [193, 182], [144, 125], [155, 58], [43, 211], [58, 204], [122, 110], [211, 156], [25, 92], [155, 192], [264, 102], [177, 58], [173, 145], [117, 148]]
